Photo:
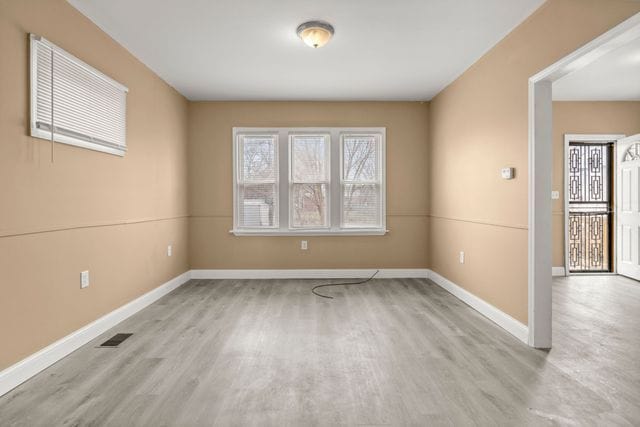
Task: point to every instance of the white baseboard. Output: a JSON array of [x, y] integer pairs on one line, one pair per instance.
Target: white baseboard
[[384, 273], [15, 375], [557, 271], [499, 317]]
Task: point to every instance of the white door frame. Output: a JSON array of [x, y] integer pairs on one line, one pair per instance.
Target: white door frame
[[540, 166], [574, 137]]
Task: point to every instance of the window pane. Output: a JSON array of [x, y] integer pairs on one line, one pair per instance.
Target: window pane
[[361, 205], [258, 158], [257, 205], [309, 205], [309, 158], [360, 158]]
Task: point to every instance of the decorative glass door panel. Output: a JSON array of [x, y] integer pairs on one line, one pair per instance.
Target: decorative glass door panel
[[589, 172]]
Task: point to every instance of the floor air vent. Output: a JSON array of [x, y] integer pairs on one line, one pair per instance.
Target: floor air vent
[[115, 340]]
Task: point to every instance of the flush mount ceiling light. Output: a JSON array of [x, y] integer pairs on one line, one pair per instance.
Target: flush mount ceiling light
[[315, 33]]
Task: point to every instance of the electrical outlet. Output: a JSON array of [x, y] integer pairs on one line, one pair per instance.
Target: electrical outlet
[[84, 279], [169, 250], [303, 245], [555, 195], [461, 257]]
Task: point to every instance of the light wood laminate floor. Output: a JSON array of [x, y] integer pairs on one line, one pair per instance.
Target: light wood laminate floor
[[391, 352]]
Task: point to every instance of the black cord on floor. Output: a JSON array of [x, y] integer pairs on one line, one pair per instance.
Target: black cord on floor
[[313, 290]]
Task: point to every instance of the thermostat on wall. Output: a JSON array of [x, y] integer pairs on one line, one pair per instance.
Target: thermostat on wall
[[508, 173]]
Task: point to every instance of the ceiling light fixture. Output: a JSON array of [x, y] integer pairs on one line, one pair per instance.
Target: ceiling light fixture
[[315, 33]]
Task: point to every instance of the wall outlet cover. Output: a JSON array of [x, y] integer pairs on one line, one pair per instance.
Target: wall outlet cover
[[84, 279], [508, 173]]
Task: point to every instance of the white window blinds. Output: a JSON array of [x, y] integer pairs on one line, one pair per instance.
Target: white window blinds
[[73, 103], [309, 179], [361, 181], [257, 181]]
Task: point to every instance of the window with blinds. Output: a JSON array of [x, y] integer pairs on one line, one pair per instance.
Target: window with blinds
[[73, 103], [361, 181], [309, 189], [257, 182], [325, 181]]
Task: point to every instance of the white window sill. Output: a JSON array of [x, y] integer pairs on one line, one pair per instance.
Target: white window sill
[[352, 232], [64, 139]]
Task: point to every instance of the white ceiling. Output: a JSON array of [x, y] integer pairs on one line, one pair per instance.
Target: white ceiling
[[613, 77], [248, 49]]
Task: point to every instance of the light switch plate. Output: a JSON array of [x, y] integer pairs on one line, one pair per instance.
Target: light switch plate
[[303, 245], [84, 279], [169, 250], [507, 173], [461, 257]]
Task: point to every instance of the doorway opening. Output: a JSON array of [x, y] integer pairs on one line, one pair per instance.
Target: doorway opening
[[540, 166]]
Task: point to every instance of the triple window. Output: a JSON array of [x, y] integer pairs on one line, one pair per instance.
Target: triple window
[[309, 181]]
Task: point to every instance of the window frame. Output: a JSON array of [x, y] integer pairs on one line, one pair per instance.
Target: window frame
[[334, 188], [81, 140]]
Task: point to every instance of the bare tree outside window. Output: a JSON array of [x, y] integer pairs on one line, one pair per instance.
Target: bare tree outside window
[[309, 180], [258, 159], [258, 183], [360, 193]]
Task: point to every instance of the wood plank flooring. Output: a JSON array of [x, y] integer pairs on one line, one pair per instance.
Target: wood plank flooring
[[391, 352]]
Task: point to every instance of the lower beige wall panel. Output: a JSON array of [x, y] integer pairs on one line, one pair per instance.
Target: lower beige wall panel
[[40, 278], [495, 266], [213, 247]]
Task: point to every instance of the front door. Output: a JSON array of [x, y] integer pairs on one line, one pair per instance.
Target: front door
[[590, 206], [628, 207]]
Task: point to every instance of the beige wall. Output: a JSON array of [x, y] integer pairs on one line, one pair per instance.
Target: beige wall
[[586, 118], [478, 124], [88, 210], [210, 184]]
